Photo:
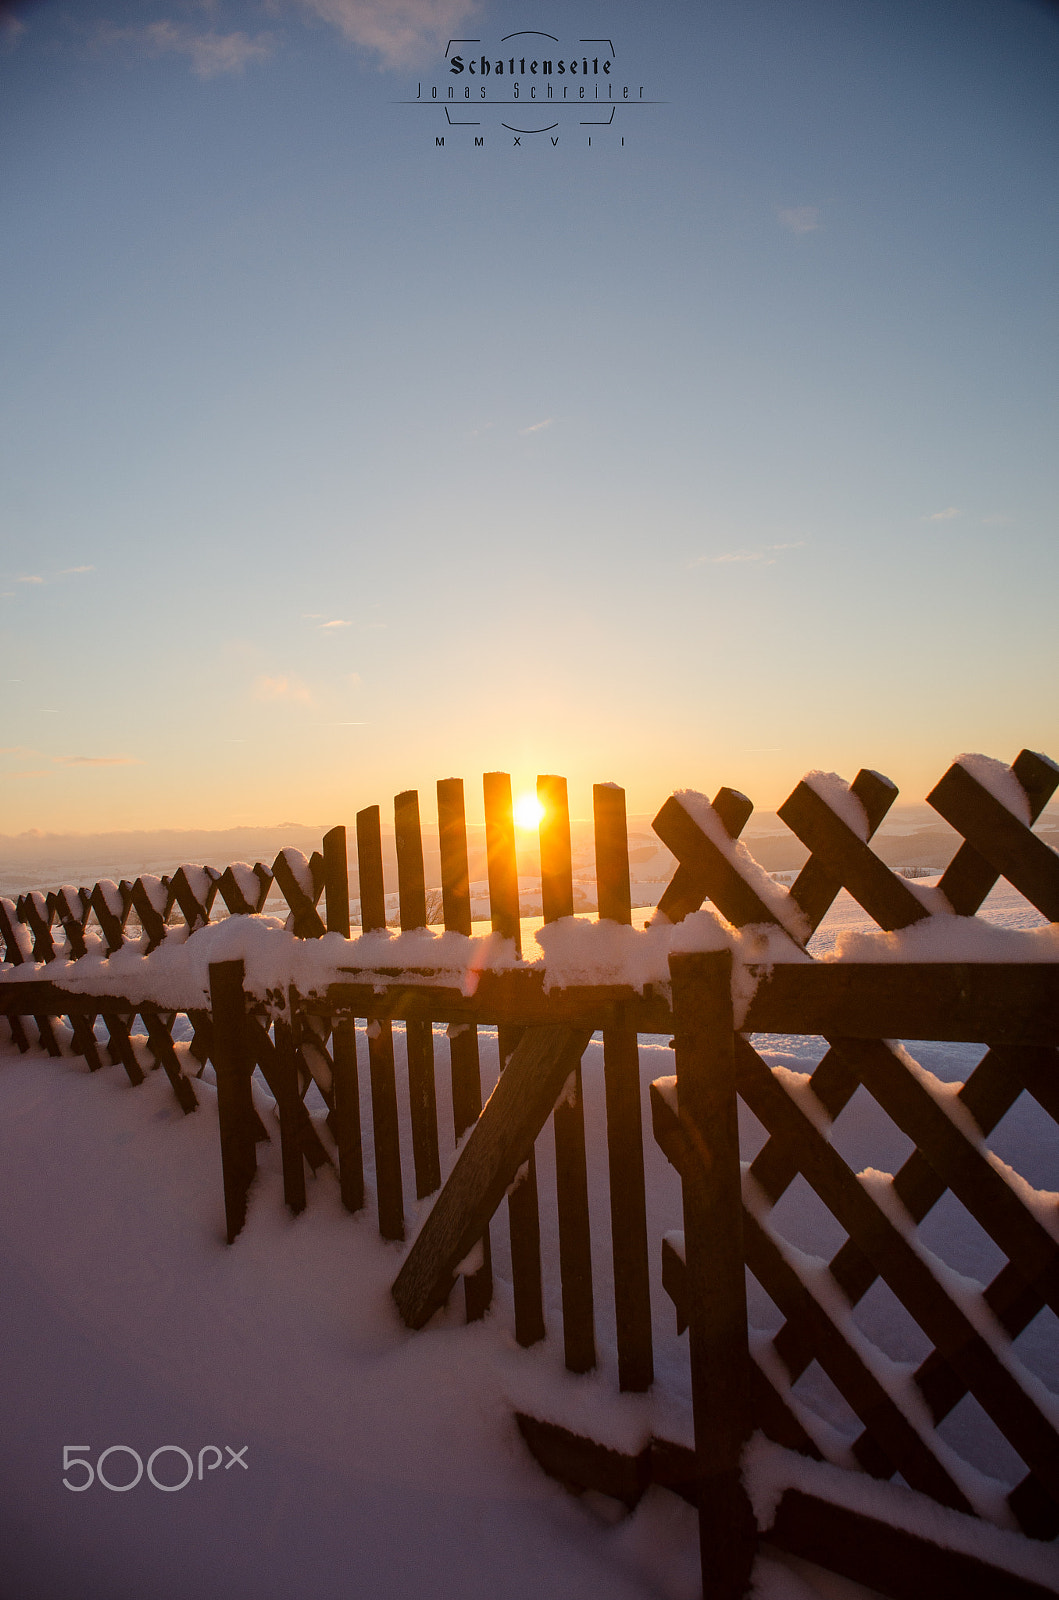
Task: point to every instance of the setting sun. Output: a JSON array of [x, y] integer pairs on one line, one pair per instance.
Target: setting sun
[[528, 811]]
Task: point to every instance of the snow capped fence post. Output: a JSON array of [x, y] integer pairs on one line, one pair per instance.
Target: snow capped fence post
[[715, 1278], [419, 1036], [464, 1062], [621, 1072], [568, 1120], [385, 1126], [234, 1066], [344, 1038], [522, 1204]]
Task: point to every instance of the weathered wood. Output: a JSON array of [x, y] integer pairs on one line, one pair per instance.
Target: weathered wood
[[716, 1285], [35, 913], [452, 841], [232, 893], [419, 1036], [1006, 1002], [72, 914], [464, 1060], [411, 880], [487, 1165], [897, 1447], [336, 882], [902, 1269], [160, 1040], [514, 998], [610, 826], [815, 888], [887, 1558], [568, 1121], [348, 1132], [557, 879], [284, 1085], [266, 1057], [883, 894], [120, 1047], [505, 915], [968, 877], [769, 1409], [233, 1063], [9, 931], [152, 920], [1000, 838], [579, 1463], [308, 923], [621, 1074], [501, 862], [346, 1084], [385, 1125], [703, 869]]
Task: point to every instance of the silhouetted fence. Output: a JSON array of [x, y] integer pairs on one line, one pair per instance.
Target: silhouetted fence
[[740, 1386]]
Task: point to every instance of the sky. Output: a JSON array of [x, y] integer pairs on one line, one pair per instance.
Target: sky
[[705, 445]]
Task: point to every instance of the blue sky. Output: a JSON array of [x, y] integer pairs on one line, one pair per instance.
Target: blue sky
[[333, 461]]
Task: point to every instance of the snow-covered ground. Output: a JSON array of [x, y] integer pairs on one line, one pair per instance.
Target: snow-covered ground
[[377, 1462]]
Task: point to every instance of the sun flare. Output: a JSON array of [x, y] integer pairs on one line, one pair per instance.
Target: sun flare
[[528, 812]]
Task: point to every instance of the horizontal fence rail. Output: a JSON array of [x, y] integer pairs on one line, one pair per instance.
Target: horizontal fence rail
[[385, 1021]]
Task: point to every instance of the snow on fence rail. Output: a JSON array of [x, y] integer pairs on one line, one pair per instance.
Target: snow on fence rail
[[715, 976]]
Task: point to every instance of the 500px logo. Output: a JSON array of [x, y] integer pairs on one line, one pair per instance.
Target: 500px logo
[[76, 1456]]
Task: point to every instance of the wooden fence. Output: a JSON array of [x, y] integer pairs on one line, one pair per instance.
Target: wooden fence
[[739, 1386]]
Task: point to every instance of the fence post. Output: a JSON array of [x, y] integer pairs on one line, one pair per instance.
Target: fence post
[[621, 1072], [234, 1066], [419, 1036], [464, 1060], [568, 1119], [385, 1125], [343, 1034], [716, 1279], [523, 1211]]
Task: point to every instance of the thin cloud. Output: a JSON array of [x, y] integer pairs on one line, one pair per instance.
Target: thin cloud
[[946, 515], [800, 219], [33, 577], [66, 572], [765, 557], [337, 622], [211, 54], [400, 32], [97, 761], [535, 427], [289, 690]]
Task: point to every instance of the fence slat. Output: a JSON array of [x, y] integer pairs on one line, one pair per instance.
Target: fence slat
[[968, 877], [903, 1270], [346, 1086], [568, 1121], [815, 888], [621, 1074], [522, 1206], [419, 1036], [1000, 838], [234, 1065], [489, 1162], [694, 879], [716, 1277], [464, 1060], [882, 893], [385, 1125]]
